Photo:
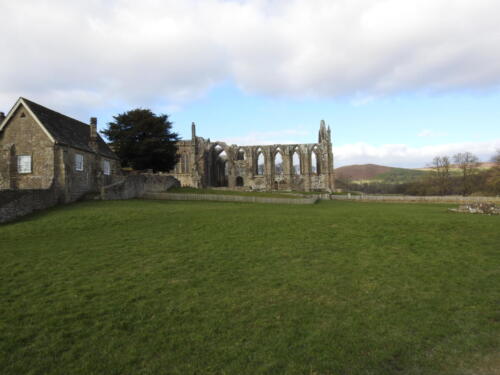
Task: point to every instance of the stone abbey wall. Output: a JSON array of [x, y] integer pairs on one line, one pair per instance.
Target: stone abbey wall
[[301, 167]]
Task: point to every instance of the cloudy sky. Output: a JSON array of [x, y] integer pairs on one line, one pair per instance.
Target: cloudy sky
[[399, 81]]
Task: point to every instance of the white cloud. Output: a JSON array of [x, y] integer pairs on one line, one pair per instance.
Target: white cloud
[[400, 155], [286, 136], [122, 50]]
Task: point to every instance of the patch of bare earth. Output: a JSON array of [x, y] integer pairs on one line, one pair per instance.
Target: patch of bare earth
[[489, 365]]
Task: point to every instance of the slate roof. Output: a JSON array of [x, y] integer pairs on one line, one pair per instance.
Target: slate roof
[[67, 130]]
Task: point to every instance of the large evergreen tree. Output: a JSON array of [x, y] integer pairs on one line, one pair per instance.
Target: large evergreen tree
[[143, 140]]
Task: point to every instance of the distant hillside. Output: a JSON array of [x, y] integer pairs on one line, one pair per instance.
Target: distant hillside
[[374, 172], [360, 171], [482, 165]]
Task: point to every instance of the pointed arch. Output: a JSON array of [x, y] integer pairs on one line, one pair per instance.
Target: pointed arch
[[260, 162], [217, 148], [185, 163], [278, 162], [315, 161], [221, 166], [240, 154], [223, 159], [296, 162]]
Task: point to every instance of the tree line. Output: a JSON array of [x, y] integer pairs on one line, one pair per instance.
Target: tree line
[[456, 175]]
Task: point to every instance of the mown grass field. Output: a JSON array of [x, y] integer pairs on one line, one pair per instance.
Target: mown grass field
[[164, 287]]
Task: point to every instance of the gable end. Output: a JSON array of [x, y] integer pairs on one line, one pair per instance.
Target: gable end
[[21, 104]]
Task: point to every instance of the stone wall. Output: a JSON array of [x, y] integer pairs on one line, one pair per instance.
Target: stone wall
[[134, 186], [415, 199], [227, 198], [18, 203], [90, 179]]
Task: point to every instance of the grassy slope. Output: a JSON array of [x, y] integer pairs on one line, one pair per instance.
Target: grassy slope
[[360, 171], [399, 175], [149, 287], [367, 173], [403, 175]]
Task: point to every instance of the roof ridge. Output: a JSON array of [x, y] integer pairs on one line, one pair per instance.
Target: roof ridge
[[65, 129], [51, 110]]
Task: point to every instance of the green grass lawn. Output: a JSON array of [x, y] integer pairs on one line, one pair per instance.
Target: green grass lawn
[[165, 287]]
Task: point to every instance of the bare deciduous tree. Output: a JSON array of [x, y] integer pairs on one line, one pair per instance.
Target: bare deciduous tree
[[467, 163], [441, 166]]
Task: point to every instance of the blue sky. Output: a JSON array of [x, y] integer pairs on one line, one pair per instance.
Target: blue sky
[[399, 81], [413, 120], [417, 120]]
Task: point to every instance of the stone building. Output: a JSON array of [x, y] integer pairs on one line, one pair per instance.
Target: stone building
[[300, 167], [44, 149]]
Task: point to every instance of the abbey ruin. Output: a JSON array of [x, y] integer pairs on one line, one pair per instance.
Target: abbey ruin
[[300, 167]]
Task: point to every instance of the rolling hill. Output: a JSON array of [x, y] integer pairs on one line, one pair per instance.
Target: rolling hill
[[390, 175], [380, 173]]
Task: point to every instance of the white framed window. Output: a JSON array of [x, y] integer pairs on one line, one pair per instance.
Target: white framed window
[[24, 164], [78, 162], [106, 167]]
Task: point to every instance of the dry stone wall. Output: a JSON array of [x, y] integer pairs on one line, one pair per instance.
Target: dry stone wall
[[135, 186], [228, 198], [409, 198], [18, 203]]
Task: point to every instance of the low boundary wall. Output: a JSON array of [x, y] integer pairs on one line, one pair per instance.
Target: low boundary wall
[[417, 199], [134, 186], [227, 198], [18, 203]]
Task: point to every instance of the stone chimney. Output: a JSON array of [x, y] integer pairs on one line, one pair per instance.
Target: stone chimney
[[2, 117], [93, 133]]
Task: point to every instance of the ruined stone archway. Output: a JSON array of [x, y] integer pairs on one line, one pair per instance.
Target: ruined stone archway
[[220, 166], [303, 167]]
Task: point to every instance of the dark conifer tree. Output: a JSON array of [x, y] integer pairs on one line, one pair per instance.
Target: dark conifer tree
[[143, 140]]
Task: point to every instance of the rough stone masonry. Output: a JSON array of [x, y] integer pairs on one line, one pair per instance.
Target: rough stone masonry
[[301, 167]]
